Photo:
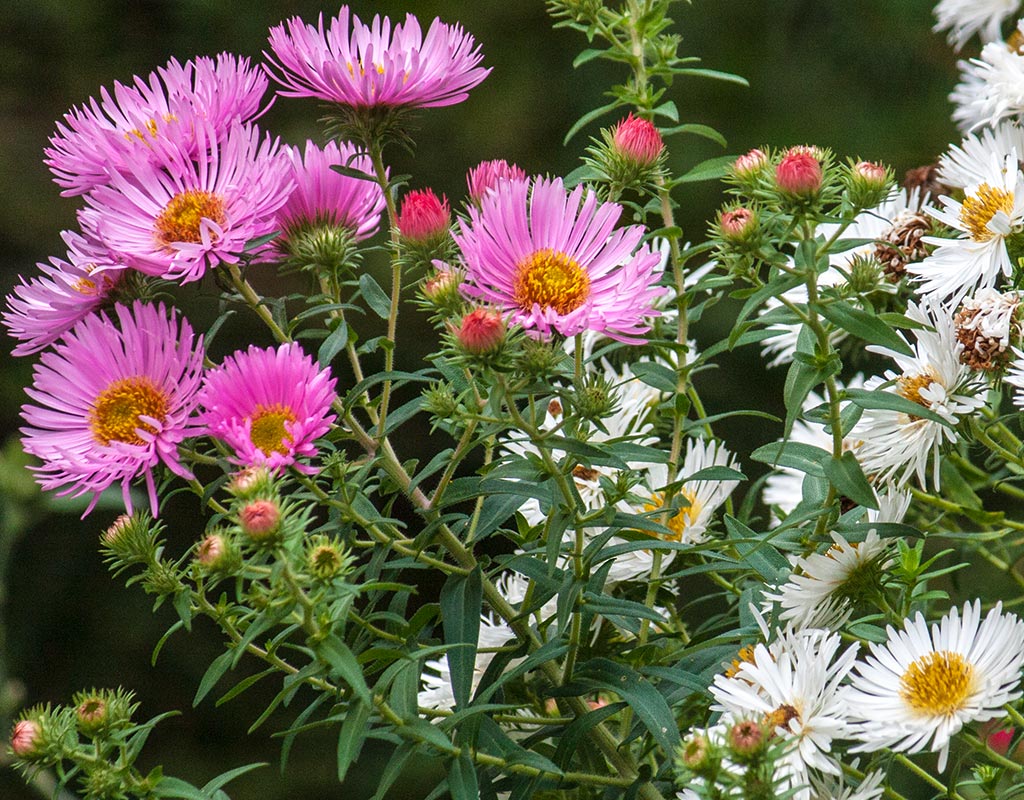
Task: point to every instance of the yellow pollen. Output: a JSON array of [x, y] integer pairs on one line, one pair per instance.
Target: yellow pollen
[[781, 717], [683, 518], [911, 386], [550, 279], [744, 656], [979, 209], [1015, 42], [181, 219], [115, 414], [937, 683], [84, 286], [268, 432]]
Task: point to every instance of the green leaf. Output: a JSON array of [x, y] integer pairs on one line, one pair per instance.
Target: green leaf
[[716, 474], [225, 778], [848, 478], [647, 703], [333, 344], [462, 778], [587, 55], [244, 684], [890, 401], [697, 130], [714, 74], [352, 735], [863, 325], [461, 603], [796, 455], [375, 297], [668, 110], [587, 118], [335, 653], [757, 550], [711, 170], [259, 241], [658, 376], [179, 790], [214, 673], [352, 172]]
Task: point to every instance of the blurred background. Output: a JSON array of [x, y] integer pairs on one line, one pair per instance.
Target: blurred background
[[868, 79]]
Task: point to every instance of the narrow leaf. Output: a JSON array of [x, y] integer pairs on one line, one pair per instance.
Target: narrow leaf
[[461, 603], [848, 478], [375, 297]]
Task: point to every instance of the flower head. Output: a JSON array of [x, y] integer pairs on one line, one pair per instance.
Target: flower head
[[130, 125], [970, 162], [26, 737], [964, 18], [112, 402], [921, 686], [481, 331], [366, 66], [799, 173], [487, 174], [268, 405], [554, 260], [423, 217], [750, 164], [990, 87], [260, 519], [638, 141], [180, 217]]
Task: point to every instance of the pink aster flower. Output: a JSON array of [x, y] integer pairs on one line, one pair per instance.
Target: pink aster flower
[[323, 196], [268, 405], [364, 66], [486, 175], [555, 261], [121, 129], [42, 309], [111, 402], [180, 217]]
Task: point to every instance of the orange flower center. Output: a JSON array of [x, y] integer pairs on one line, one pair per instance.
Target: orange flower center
[[181, 219], [550, 279], [115, 413], [268, 432], [682, 519], [911, 386], [937, 683]]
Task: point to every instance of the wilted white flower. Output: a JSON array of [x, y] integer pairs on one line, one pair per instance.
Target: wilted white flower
[[986, 325]]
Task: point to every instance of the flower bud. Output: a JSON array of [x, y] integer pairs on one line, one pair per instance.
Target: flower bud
[[749, 166], [638, 141], [697, 756], [481, 332], [26, 739], [746, 740], [249, 482], [799, 172], [424, 218], [326, 558], [92, 714], [865, 274], [595, 397], [217, 553], [488, 174], [868, 184], [116, 530], [738, 224], [439, 400], [441, 288], [260, 520]]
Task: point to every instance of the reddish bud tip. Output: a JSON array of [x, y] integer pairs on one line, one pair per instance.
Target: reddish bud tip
[[482, 331], [737, 223], [488, 174], [25, 738], [210, 550], [799, 172], [749, 164], [870, 172], [423, 217], [638, 140], [260, 519]]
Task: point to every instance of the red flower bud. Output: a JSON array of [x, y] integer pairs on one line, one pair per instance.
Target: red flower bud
[[799, 173], [749, 164], [423, 217], [260, 519], [737, 223], [25, 738], [637, 140], [482, 331]]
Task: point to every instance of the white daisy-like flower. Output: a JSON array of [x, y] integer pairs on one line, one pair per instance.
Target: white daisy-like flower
[[437, 689], [986, 325], [826, 787], [991, 211], [919, 688], [990, 88], [1015, 377], [874, 225], [970, 163], [796, 688], [964, 18], [824, 587], [894, 446], [893, 505]]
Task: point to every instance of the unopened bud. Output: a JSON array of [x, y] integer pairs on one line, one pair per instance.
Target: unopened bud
[[26, 739], [441, 288], [748, 166], [424, 218], [439, 400], [260, 519], [488, 174], [481, 332], [594, 397], [799, 173], [216, 553], [92, 714], [325, 558], [637, 140], [738, 224], [250, 481], [112, 534], [868, 184], [865, 274], [746, 740], [696, 755]]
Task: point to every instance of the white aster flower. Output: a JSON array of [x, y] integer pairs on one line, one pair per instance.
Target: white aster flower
[[970, 163], [824, 587], [917, 690], [827, 787], [986, 324], [892, 505], [795, 687], [964, 18], [1015, 377], [894, 446], [990, 88], [992, 210]]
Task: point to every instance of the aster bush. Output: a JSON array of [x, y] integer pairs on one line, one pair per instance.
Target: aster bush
[[582, 590]]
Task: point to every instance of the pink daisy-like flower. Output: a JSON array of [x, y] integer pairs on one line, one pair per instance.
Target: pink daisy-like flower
[[555, 261], [487, 174], [181, 217], [365, 66], [111, 402], [323, 196], [42, 309], [121, 130], [269, 405]]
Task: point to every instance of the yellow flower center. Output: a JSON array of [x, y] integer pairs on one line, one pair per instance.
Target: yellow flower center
[[781, 717], [911, 386], [744, 656], [268, 431], [550, 279], [1015, 42], [979, 209], [115, 413], [682, 519], [937, 683], [181, 219]]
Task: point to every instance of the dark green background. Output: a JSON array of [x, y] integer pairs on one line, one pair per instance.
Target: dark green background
[[868, 79]]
